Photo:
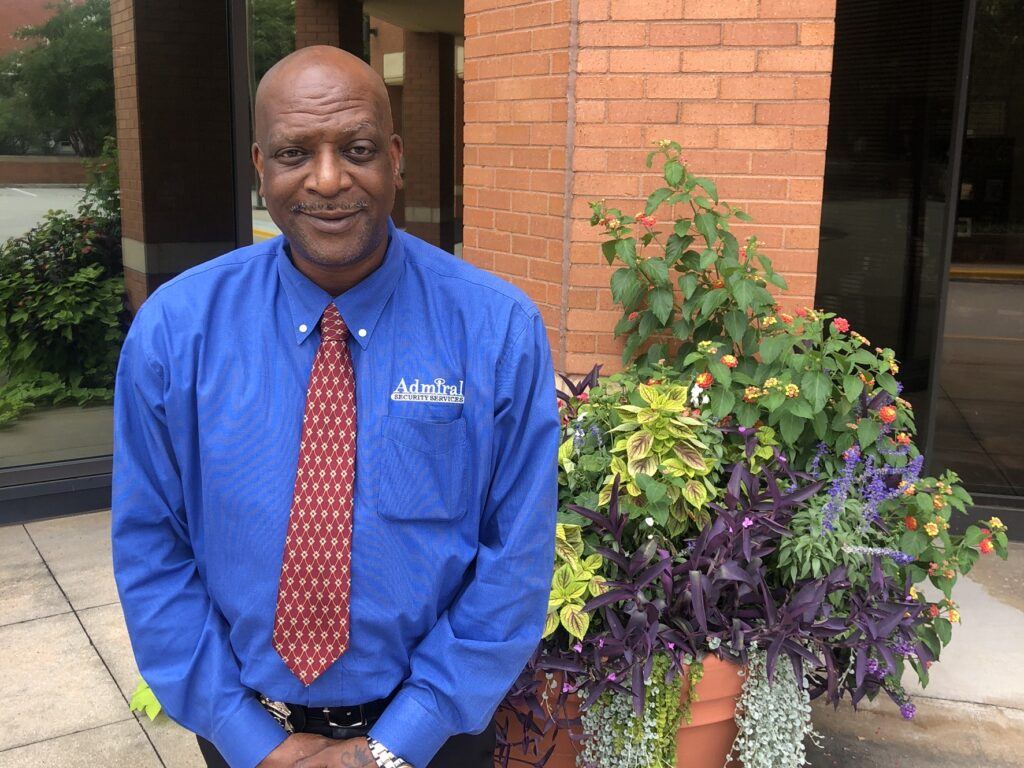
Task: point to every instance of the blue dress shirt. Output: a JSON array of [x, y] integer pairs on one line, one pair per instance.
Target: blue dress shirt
[[455, 492]]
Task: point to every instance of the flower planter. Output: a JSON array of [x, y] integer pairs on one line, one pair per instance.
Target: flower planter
[[703, 743]]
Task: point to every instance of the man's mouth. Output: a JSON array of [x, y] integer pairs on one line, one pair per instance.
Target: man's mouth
[[329, 219]]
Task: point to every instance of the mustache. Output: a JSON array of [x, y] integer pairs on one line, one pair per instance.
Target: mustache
[[311, 207]]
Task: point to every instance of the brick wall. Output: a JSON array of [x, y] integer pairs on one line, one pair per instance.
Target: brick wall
[[516, 141], [15, 14], [743, 85], [126, 105], [316, 23]]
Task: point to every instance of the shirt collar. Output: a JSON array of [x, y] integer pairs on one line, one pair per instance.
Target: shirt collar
[[360, 306]]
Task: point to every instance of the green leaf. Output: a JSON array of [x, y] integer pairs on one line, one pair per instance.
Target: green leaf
[[713, 299], [820, 424], [887, 382], [688, 284], [656, 198], [639, 445], [550, 623], [852, 387], [673, 173], [973, 536], [798, 406], [867, 432], [772, 347], [709, 187], [736, 325], [575, 621], [661, 300], [705, 224], [657, 270], [626, 250], [721, 372], [744, 293], [624, 282], [943, 630], [792, 427], [695, 493], [913, 542], [816, 387], [653, 490], [722, 402], [608, 249]]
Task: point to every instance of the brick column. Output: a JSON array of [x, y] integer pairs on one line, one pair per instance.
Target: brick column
[[516, 215], [172, 76], [743, 85], [428, 123], [330, 22]]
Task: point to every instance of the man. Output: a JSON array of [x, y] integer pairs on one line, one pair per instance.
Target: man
[[334, 466]]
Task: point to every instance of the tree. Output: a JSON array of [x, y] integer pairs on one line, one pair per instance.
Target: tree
[[62, 88], [273, 33]]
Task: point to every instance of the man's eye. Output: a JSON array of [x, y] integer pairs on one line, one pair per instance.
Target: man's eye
[[289, 154], [361, 152]]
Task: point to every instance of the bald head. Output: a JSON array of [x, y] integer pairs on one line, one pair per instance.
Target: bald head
[[319, 70]]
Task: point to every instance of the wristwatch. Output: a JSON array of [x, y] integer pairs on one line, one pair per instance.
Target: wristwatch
[[385, 757]]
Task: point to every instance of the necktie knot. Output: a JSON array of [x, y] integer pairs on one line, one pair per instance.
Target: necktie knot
[[332, 327]]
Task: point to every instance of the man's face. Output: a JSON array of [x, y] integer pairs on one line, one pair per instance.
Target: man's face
[[328, 167]]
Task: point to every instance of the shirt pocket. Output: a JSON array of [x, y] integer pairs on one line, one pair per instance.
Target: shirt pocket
[[423, 470]]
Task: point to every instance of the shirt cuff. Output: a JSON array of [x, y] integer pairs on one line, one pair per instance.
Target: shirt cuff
[[410, 730], [245, 737]]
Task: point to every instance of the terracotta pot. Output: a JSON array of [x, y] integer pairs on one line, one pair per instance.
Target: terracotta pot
[[703, 743], [707, 739]]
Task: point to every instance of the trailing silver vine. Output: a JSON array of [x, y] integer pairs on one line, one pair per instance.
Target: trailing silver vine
[[773, 718]]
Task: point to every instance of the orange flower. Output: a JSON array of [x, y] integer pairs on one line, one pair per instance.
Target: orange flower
[[729, 361], [705, 380], [986, 546], [903, 438], [911, 522], [887, 414]]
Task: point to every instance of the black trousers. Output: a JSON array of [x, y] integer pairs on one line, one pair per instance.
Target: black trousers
[[464, 750]]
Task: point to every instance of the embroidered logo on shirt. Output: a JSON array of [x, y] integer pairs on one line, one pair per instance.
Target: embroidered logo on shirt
[[437, 391]]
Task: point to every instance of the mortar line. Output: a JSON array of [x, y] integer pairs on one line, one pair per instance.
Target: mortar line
[[570, 146]]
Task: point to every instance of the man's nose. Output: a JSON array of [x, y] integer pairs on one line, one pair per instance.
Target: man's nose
[[328, 174]]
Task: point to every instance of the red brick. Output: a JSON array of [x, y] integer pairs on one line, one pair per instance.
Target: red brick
[[793, 113], [719, 60], [679, 35], [755, 137], [795, 60], [720, 9], [681, 87], [759, 34], [613, 34], [647, 9], [797, 9], [717, 112], [757, 87], [642, 61]]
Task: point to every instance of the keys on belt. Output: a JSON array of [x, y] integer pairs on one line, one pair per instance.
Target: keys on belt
[[290, 716]]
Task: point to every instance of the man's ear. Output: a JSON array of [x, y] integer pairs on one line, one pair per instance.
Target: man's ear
[[395, 150], [257, 160]]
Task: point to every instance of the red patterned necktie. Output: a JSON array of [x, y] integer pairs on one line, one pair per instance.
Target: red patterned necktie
[[312, 620]]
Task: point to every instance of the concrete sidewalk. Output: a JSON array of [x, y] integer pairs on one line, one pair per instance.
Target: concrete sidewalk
[[67, 671]]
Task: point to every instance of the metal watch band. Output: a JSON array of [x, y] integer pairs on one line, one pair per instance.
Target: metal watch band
[[385, 757]]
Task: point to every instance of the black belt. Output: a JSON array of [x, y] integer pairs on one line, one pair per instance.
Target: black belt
[[352, 716]]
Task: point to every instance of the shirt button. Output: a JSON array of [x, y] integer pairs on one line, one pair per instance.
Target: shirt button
[[302, 328], [362, 332]]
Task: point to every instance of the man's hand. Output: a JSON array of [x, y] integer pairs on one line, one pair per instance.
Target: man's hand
[[349, 753], [296, 747]]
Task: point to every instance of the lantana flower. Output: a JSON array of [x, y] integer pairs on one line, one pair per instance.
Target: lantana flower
[[931, 529], [986, 546], [887, 414], [705, 380], [729, 361], [841, 324]]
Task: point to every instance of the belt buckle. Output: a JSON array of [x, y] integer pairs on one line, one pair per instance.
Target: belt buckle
[[362, 719], [279, 711]]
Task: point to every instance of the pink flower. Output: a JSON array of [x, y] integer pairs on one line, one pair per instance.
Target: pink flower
[[583, 397], [747, 522], [578, 647], [612, 677], [841, 324], [633, 315], [647, 221]]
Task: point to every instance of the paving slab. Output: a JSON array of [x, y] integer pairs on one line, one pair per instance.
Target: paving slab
[[117, 745], [77, 549], [52, 682], [105, 626], [944, 734], [27, 590]]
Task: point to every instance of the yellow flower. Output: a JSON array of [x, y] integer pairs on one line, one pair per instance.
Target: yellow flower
[[913, 592], [613, 223], [938, 502], [931, 529], [954, 616], [772, 382], [996, 524], [893, 367], [911, 490], [792, 390], [768, 321]]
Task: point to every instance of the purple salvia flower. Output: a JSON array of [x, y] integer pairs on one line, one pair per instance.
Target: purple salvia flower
[[908, 710]]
